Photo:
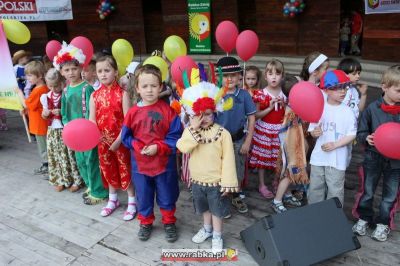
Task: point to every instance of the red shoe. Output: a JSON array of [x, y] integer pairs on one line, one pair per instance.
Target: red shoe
[[107, 211]]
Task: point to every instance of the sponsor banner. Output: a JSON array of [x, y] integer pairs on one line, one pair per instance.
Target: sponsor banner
[[8, 83], [199, 26], [382, 6], [36, 10]]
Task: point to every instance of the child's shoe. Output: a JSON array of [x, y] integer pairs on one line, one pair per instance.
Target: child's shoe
[[360, 228], [170, 232], [59, 188], [239, 205], [42, 170], [110, 208], [145, 231], [381, 232], [90, 200], [291, 201], [265, 192], [217, 244], [278, 207], [129, 215], [86, 193], [201, 236]]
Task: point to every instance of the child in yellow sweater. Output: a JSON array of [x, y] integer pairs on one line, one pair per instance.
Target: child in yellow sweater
[[204, 139]]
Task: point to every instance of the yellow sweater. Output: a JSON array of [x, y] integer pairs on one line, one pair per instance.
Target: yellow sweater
[[212, 159]]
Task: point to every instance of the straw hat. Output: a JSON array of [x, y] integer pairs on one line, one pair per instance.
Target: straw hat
[[19, 54]]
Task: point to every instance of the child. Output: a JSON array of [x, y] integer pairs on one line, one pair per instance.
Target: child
[[291, 163], [315, 64], [35, 72], [235, 120], [344, 37], [75, 104], [20, 59], [252, 79], [205, 139], [127, 82], [352, 68], [151, 129], [89, 75], [270, 112], [108, 105], [383, 110], [335, 130], [63, 171]]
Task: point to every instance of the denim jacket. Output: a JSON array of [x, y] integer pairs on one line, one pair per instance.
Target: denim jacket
[[372, 117]]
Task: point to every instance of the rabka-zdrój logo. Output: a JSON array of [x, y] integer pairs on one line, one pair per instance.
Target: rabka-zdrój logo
[[18, 7]]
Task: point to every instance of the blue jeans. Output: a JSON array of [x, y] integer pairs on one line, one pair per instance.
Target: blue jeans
[[374, 166]]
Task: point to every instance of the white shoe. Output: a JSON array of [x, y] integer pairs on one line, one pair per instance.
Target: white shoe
[[360, 228], [217, 244], [201, 236], [381, 232]]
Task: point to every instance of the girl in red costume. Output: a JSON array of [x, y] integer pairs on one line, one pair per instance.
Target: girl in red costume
[[108, 105]]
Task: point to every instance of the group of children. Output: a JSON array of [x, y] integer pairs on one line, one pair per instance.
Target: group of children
[[229, 127]]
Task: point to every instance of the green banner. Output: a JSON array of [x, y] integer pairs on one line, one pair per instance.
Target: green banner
[[199, 26]]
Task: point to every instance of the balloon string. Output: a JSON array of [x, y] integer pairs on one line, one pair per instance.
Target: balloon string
[[244, 73]]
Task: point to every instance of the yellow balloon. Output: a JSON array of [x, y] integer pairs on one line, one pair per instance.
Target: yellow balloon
[[16, 31], [160, 63], [121, 69], [174, 46], [122, 51]]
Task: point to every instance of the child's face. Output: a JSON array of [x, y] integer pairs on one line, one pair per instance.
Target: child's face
[[354, 77], [23, 60], [149, 88], [273, 78], [54, 86], [208, 118], [336, 95], [232, 79], [322, 69], [33, 79], [251, 79], [72, 73], [123, 82], [106, 73], [89, 73], [392, 94]]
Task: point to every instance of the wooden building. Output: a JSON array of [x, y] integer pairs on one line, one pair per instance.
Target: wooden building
[[146, 24]]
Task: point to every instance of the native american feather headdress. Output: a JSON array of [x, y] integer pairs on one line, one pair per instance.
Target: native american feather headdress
[[200, 95], [68, 53]]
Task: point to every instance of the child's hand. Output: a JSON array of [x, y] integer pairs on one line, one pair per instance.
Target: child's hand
[[149, 150], [272, 103], [55, 111], [363, 88], [330, 146], [370, 139], [195, 121], [244, 150], [317, 132], [45, 113], [22, 112], [115, 145]]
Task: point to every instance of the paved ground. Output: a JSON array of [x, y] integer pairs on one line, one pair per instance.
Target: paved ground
[[39, 226]]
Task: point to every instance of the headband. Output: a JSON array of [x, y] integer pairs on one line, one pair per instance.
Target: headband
[[317, 63]]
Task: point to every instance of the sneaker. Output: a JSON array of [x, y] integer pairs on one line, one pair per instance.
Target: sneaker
[[217, 244], [229, 215], [381, 232], [278, 207], [86, 193], [90, 200], [145, 231], [170, 232], [42, 170], [291, 201], [239, 205], [201, 236], [360, 228]]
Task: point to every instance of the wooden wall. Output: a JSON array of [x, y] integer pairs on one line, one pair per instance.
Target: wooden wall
[[146, 24]]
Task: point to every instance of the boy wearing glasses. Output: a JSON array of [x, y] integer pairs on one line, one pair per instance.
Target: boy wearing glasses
[[335, 131]]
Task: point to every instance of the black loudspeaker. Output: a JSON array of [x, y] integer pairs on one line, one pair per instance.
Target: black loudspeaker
[[301, 236]]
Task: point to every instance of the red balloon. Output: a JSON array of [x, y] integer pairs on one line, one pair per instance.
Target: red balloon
[[85, 45], [52, 48], [180, 64], [247, 44], [81, 135], [307, 101], [387, 141], [226, 35]]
